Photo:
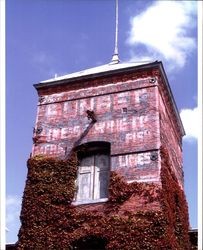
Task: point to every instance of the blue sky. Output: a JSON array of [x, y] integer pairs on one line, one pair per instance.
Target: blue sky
[[44, 38]]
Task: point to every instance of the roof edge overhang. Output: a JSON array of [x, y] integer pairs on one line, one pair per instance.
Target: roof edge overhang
[[56, 82]]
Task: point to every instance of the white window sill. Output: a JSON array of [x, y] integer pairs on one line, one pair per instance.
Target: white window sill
[[84, 202]]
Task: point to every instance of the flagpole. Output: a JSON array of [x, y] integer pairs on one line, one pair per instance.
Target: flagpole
[[115, 58]]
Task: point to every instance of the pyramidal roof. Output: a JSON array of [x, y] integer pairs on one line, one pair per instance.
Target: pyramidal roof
[[97, 70]]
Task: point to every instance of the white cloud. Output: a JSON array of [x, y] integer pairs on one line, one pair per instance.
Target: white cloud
[[190, 119], [164, 29], [13, 206]]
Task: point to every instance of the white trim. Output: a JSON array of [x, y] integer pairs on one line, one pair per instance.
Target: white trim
[[96, 70], [152, 180], [200, 57], [86, 202]]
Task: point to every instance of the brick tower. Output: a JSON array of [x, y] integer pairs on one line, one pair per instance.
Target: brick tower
[[122, 124]]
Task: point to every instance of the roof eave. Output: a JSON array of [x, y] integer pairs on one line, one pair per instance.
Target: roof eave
[[56, 82]]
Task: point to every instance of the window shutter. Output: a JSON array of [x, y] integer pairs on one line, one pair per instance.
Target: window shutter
[[85, 179]]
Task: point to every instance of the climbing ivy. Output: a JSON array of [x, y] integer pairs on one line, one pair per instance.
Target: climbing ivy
[[159, 219]]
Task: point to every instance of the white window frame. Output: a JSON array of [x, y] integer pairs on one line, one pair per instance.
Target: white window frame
[[95, 172]]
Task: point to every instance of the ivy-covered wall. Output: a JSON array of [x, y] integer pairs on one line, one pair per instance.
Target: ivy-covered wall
[[136, 216]]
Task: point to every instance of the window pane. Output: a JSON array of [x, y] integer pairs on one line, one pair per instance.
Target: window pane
[[102, 161], [87, 163], [104, 181], [101, 176]]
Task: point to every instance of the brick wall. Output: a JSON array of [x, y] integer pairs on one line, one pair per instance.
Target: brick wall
[[127, 115], [133, 111], [170, 135]]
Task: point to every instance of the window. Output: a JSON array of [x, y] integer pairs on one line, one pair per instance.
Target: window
[[93, 175]]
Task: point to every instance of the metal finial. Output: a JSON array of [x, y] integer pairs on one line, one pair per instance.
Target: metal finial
[[115, 58]]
